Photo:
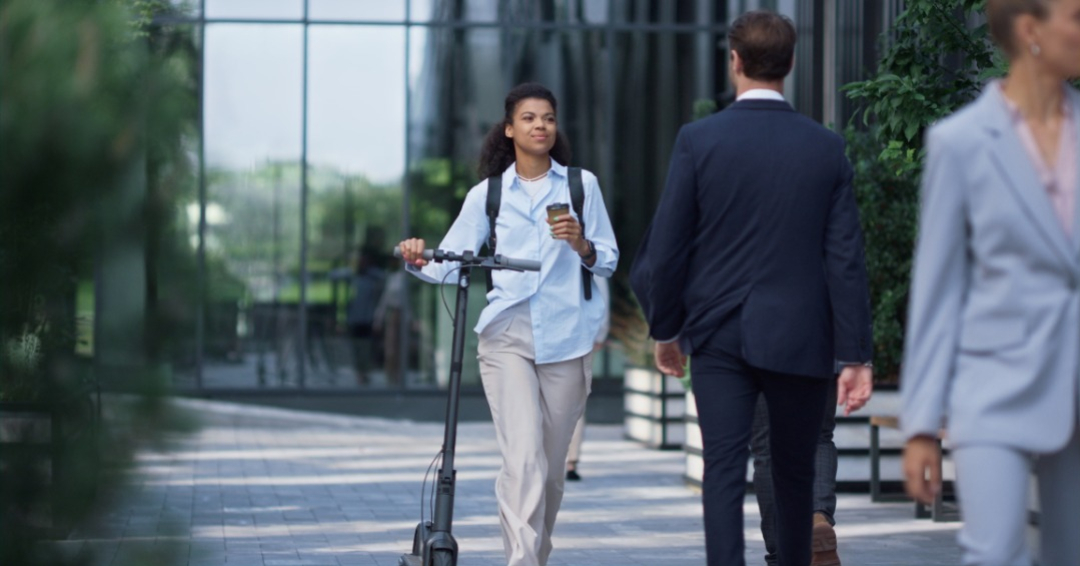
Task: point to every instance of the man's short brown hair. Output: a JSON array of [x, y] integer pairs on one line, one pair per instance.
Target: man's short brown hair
[[765, 41], [1002, 14]]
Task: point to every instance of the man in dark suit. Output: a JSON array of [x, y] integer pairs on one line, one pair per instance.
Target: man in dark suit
[[754, 264]]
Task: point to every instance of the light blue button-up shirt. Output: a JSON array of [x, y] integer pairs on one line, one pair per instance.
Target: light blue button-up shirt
[[564, 323]]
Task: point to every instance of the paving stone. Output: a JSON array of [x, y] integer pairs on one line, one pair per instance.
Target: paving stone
[[271, 487]]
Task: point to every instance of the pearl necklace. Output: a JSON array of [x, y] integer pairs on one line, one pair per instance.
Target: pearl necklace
[[534, 179]]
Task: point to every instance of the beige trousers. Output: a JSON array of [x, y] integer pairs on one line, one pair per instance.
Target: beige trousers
[[534, 407], [574, 455]]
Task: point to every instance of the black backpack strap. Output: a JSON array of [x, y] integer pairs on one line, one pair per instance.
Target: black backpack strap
[[577, 199], [494, 200]]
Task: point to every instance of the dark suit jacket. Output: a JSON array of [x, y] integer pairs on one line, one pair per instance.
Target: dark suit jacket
[[758, 217]]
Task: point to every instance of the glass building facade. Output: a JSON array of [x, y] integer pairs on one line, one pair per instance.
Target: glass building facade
[[328, 130]]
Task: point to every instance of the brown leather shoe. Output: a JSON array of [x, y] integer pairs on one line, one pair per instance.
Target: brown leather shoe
[[824, 543]]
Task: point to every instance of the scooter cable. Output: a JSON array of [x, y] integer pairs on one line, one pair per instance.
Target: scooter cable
[[442, 291]]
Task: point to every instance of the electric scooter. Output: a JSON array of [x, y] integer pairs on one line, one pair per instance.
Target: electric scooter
[[433, 544]]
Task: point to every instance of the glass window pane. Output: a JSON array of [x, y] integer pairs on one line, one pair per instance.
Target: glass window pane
[[356, 156], [362, 10], [421, 10], [467, 10], [253, 144], [253, 94], [356, 102], [255, 9]]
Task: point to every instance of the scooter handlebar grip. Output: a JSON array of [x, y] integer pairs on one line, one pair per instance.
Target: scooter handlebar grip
[[523, 264], [428, 254]]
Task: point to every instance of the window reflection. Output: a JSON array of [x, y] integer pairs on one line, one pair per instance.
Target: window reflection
[[356, 100], [253, 123], [457, 95], [253, 94], [356, 156], [368, 325]]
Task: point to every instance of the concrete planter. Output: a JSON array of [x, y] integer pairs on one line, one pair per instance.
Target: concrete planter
[[654, 407]]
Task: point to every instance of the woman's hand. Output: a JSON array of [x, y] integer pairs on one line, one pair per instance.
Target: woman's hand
[[922, 458], [566, 227], [412, 251]]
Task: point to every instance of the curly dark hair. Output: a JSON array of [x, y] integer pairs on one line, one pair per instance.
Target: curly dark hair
[[497, 152]]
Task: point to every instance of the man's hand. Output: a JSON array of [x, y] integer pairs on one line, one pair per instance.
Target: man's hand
[[854, 387], [921, 453], [670, 359]]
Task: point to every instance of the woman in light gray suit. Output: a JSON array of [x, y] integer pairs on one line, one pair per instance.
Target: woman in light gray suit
[[994, 321]]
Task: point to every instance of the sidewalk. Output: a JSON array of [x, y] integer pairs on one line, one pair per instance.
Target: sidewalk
[[270, 487]]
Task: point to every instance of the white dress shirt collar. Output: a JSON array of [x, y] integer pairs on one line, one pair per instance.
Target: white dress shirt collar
[[761, 94]]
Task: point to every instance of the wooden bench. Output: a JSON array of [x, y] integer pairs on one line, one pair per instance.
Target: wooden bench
[[944, 507]]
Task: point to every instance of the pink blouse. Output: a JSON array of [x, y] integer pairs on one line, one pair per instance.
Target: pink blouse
[[1059, 181]]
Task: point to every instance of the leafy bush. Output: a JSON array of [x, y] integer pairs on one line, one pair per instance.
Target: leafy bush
[[887, 192], [933, 64]]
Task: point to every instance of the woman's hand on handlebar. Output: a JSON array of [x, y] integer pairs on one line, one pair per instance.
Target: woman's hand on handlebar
[[412, 251]]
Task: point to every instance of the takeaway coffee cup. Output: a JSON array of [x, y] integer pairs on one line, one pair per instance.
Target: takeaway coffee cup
[[557, 209]]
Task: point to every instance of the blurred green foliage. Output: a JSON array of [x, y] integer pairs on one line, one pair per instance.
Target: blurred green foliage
[[93, 101], [886, 189], [934, 61]]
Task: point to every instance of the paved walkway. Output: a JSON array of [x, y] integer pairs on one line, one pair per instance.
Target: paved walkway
[[271, 487]]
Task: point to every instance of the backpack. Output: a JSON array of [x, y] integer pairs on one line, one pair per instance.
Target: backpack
[[577, 199]]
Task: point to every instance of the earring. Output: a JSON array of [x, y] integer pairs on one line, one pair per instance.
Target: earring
[[1035, 49]]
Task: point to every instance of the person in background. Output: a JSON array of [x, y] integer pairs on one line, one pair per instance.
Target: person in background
[[389, 316], [367, 289], [574, 455], [823, 543]]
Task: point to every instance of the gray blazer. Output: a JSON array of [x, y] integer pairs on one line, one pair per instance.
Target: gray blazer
[[993, 336]]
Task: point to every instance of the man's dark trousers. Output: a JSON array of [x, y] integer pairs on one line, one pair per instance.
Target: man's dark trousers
[[825, 462], [726, 390]]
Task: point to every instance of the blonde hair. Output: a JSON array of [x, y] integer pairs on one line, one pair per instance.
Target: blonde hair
[[1002, 14]]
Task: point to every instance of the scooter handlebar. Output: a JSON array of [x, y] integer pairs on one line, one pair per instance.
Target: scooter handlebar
[[427, 254], [496, 262], [522, 264]]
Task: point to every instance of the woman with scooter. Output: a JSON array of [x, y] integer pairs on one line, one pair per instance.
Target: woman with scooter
[[536, 333]]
